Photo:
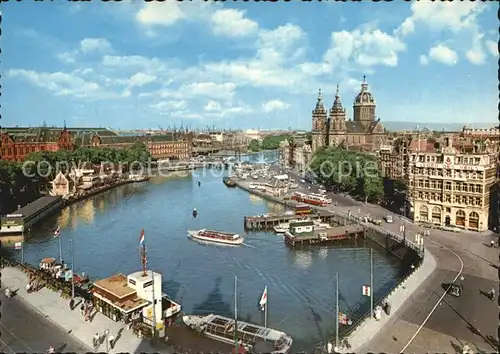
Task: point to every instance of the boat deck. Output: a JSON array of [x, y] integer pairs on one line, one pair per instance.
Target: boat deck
[[249, 333]]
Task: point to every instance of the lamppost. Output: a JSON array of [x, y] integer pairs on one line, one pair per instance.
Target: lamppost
[[72, 269]]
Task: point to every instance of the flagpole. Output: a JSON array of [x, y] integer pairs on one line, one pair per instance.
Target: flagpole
[[72, 268], [236, 314], [154, 304], [60, 249], [22, 252], [265, 309], [337, 310], [371, 282]]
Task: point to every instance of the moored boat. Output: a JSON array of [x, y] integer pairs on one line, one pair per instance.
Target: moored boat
[[229, 182], [250, 335], [216, 236], [281, 228]]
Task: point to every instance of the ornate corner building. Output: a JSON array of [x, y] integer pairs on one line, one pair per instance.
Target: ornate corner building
[[334, 129]]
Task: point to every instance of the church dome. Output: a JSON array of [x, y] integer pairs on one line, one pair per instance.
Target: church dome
[[364, 96]]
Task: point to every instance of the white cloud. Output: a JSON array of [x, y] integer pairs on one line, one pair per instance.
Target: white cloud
[[161, 14], [275, 105], [95, 45], [279, 45], [86, 46], [424, 60], [170, 105], [141, 79], [224, 91], [61, 84], [365, 48], [453, 16], [492, 47], [232, 23], [476, 54], [443, 55], [212, 106]]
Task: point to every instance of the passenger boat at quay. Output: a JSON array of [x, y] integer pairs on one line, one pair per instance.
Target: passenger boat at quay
[[227, 238], [317, 200], [250, 336]]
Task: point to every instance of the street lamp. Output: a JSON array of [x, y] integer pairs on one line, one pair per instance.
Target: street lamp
[[72, 269]]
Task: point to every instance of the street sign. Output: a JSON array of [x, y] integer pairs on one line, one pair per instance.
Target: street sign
[[18, 245], [402, 228]]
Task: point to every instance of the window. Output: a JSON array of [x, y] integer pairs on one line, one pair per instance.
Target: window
[[424, 213], [479, 188], [447, 186], [146, 284], [447, 198], [426, 184], [474, 220], [477, 160], [436, 215], [420, 195], [433, 185], [131, 281], [460, 218]]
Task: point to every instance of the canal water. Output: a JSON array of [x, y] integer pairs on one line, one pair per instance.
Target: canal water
[[301, 286]]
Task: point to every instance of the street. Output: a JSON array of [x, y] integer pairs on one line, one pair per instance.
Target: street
[[430, 321], [25, 330]]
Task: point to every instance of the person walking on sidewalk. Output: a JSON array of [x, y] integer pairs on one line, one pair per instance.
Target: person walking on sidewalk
[[111, 341], [96, 341]]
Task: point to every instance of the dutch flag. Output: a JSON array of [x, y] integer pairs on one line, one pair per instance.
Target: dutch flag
[[263, 299]]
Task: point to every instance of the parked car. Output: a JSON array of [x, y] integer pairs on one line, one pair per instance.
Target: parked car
[[388, 219]]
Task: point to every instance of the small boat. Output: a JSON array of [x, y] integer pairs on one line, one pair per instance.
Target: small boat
[[217, 237], [195, 213], [281, 228], [250, 335], [229, 182]]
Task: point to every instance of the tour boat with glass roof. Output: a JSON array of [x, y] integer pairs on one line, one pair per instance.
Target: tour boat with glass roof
[[227, 238], [251, 336]]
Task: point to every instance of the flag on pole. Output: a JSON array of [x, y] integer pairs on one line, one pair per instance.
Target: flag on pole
[[263, 299], [141, 238], [18, 245], [367, 291], [58, 231]]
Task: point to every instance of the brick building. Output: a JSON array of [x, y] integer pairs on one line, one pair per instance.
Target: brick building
[[170, 145], [16, 144]]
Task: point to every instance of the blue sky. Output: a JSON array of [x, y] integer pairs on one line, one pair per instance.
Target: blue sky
[[245, 65]]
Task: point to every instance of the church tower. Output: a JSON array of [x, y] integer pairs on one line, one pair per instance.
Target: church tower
[[336, 121], [318, 124], [364, 105]]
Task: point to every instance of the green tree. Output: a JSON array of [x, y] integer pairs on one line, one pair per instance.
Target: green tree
[[272, 142], [254, 145]]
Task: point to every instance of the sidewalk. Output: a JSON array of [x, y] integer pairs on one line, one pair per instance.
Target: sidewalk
[[50, 305], [369, 328]]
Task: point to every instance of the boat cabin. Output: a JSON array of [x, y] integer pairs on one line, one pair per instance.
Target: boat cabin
[[114, 298], [302, 228]]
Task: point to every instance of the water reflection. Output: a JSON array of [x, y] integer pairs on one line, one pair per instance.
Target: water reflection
[[105, 230]]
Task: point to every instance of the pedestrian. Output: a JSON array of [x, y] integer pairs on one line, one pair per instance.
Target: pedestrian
[[111, 341], [96, 341], [72, 304]]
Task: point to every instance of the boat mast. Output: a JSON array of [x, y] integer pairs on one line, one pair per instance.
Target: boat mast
[[236, 314], [336, 310]]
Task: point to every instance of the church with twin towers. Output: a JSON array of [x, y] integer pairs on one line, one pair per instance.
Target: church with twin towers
[[333, 128]]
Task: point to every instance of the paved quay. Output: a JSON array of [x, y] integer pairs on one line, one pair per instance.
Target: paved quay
[[55, 309], [42, 333]]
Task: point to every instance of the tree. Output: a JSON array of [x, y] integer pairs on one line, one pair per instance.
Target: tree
[[373, 189], [254, 145], [272, 142]]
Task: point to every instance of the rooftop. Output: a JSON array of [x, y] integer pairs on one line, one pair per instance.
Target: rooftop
[[130, 303], [31, 208], [115, 285]]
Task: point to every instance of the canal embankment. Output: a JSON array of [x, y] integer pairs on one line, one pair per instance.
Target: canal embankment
[[413, 257]]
